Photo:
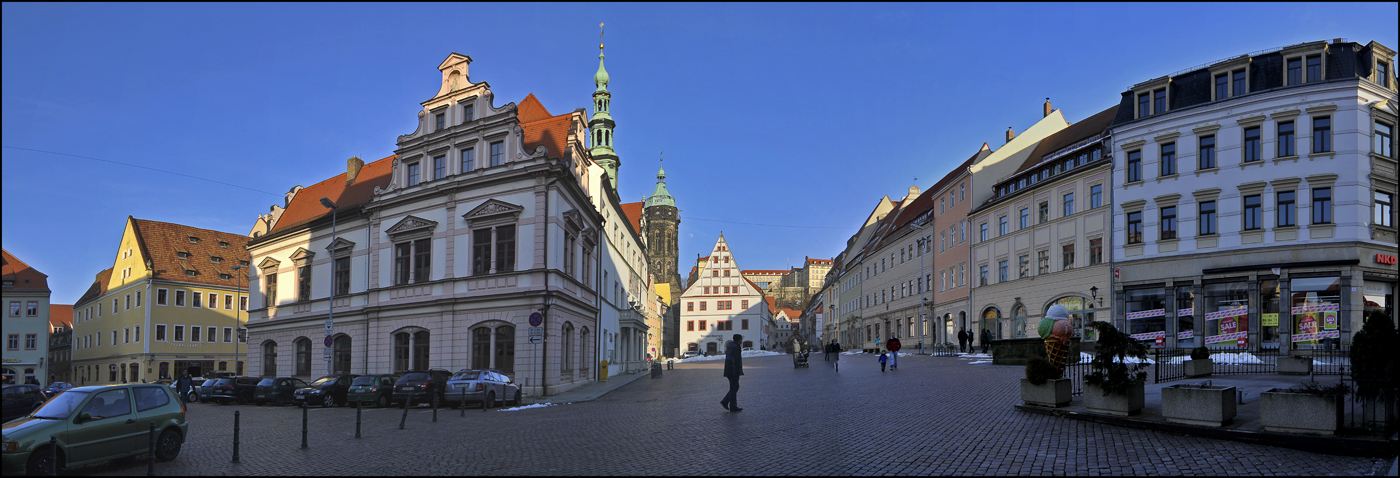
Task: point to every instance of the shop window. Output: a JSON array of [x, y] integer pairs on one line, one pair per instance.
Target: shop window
[[1146, 313], [1316, 309], [1185, 318], [1269, 313], [1226, 313]]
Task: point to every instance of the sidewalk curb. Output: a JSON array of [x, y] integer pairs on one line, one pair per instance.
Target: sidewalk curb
[[1333, 445], [598, 390]]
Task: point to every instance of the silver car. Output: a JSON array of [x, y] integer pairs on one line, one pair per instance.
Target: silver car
[[488, 387]]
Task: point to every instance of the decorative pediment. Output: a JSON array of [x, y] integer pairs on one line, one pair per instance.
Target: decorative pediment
[[269, 263], [412, 224], [494, 209], [302, 254], [573, 221], [340, 245]]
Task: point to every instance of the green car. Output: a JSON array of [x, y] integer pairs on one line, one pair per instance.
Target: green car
[[95, 424], [372, 389]]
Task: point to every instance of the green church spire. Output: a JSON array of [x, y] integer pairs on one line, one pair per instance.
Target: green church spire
[[660, 196], [602, 124]]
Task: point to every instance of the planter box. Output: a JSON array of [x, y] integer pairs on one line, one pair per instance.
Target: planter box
[[1306, 413], [1199, 367], [1115, 404], [1054, 393], [1197, 405], [1294, 365]]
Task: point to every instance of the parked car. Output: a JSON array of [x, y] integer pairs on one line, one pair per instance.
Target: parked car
[[93, 424], [18, 400], [374, 389], [218, 375], [192, 395], [239, 390], [277, 391], [328, 391], [487, 387], [421, 385], [56, 388], [690, 353], [206, 389]]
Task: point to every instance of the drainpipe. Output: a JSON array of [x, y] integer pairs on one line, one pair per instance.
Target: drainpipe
[[598, 302]]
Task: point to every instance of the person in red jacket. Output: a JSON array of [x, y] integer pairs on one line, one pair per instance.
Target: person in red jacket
[[893, 345]]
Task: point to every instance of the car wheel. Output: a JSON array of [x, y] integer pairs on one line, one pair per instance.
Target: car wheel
[[328, 401], [517, 398], [194, 397], [40, 461], [168, 445], [244, 399], [490, 400], [278, 401], [382, 402]]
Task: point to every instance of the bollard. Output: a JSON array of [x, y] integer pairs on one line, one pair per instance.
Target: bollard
[[235, 436], [405, 413], [53, 450], [151, 457], [464, 401], [435, 404], [357, 417], [303, 425]]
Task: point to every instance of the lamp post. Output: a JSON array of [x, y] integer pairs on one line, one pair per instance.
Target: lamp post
[[237, 318], [330, 311], [1095, 302], [923, 300]]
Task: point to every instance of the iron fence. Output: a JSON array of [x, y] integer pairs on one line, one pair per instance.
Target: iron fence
[[1075, 373], [1169, 364], [1373, 406], [941, 350]]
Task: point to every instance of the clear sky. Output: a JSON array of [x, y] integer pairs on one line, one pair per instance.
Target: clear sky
[[782, 124]]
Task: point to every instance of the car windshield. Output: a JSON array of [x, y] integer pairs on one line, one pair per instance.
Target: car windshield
[[61, 406], [210, 383], [467, 375], [365, 381], [224, 381], [58, 385], [324, 380], [414, 377], [267, 382]]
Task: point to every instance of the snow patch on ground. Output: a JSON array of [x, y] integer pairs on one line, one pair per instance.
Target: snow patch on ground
[[974, 356], [720, 356], [1086, 357], [975, 362], [526, 407]]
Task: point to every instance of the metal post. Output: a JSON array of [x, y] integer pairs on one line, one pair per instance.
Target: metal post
[[435, 405], [150, 458], [53, 451], [405, 413], [358, 406], [464, 401], [303, 425], [235, 436]]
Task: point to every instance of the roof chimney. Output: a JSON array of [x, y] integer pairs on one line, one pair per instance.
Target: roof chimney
[[352, 169], [1010, 134], [1047, 106]]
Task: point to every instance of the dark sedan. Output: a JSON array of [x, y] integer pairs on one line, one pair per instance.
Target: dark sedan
[[328, 391], [18, 400], [56, 388], [421, 385]]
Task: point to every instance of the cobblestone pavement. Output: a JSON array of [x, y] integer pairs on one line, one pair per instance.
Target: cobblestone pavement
[[932, 416]]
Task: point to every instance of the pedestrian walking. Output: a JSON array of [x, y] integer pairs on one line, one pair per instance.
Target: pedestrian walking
[[883, 361], [836, 355], [963, 340], [986, 340], [733, 368], [893, 345], [183, 386]]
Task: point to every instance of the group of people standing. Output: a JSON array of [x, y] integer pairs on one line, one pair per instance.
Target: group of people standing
[[967, 344]]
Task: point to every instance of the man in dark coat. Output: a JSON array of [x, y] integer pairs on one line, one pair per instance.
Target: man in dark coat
[[986, 340], [183, 387], [733, 368]]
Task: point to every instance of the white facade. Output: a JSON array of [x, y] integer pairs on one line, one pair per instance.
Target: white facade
[[721, 303], [26, 325]]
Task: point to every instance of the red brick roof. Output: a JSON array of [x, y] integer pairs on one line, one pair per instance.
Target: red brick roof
[[531, 110], [163, 242], [61, 316], [542, 129], [633, 211], [24, 278], [306, 205], [792, 314]]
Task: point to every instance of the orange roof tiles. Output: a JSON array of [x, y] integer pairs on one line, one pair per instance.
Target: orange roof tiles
[[633, 210], [21, 276], [541, 128], [772, 304], [98, 287], [306, 205], [531, 109], [61, 316], [163, 241]]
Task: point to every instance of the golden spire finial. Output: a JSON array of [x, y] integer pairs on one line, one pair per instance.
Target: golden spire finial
[[600, 35]]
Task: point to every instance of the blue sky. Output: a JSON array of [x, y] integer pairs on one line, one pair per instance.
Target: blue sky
[[771, 115]]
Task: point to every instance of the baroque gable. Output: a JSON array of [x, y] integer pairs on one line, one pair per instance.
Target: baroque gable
[[494, 209]]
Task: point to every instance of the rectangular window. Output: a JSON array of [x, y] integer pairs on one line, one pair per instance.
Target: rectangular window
[[1168, 157], [468, 160], [1001, 226], [31, 341], [213, 300], [1095, 251], [481, 251], [982, 230], [179, 333], [228, 302], [1382, 140], [138, 298], [342, 276], [1168, 224], [1251, 213], [128, 302], [422, 260], [160, 333], [1222, 86], [498, 152], [136, 333], [1295, 71], [1238, 78], [1144, 106], [14, 308], [702, 308], [1322, 205], [1384, 209], [1159, 101], [1314, 68], [1382, 74], [1134, 170], [1069, 204], [195, 302], [242, 302], [1322, 135], [1205, 218], [1095, 196], [12, 342], [441, 121], [690, 325], [413, 174], [1044, 211], [505, 249], [179, 298], [1286, 212], [1286, 142], [194, 333], [440, 167], [1023, 264], [1135, 227], [1067, 256], [303, 283], [1207, 153], [1025, 218], [228, 335], [403, 254], [468, 113], [982, 275], [744, 304], [1001, 271], [1042, 262], [1251, 144], [690, 307]]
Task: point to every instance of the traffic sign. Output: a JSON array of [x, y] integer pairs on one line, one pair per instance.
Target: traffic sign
[[328, 341], [536, 319], [535, 332], [536, 339]]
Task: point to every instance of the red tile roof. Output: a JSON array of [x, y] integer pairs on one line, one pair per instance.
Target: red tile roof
[[24, 278], [163, 241], [61, 316], [772, 304], [542, 129], [792, 314], [98, 287], [1073, 133], [306, 205], [633, 210], [531, 109]]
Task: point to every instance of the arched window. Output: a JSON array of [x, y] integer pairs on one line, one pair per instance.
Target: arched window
[[481, 348], [1018, 322], [420, 350], [567, 352], [585, 348], [401, 352], [303, 346], [505, 349], [341, 351], [269, 356], [991, 318]]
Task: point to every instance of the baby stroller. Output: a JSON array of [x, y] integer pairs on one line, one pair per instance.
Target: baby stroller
[[799, 359]]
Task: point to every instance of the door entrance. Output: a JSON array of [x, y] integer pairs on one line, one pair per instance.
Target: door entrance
[[711, 348]]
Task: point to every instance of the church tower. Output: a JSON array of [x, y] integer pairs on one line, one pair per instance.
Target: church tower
[[661, 226], [601, 125]]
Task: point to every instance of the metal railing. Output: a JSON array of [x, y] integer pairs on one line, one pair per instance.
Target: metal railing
[[1372, 407], [1169, 364]]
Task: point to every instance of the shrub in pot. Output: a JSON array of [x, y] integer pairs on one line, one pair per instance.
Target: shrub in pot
[[1375, 359], [1200, 364], [1044, 385], [1310, 408], [1116, 385]]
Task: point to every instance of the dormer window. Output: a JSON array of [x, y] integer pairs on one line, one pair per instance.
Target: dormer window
[[1295, 71], [189, 273], [1144, 106], [182, 255], [1314, 68], [225, 277], [194, 240], [1159, 101], [216, 259], [1222, 86], [223, 245], [1238, 79], [1382, 74]]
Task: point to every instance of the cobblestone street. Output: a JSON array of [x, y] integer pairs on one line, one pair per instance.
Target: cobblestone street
[[932, 416]]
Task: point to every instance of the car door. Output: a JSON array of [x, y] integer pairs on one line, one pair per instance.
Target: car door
[[110, 432], [152, 405]]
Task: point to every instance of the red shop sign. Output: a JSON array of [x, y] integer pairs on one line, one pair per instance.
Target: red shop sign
[[1240, 342], [1385, 259]]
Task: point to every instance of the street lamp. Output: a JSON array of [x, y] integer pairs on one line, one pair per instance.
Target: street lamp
[[330, 311], [1094, 294], [923, 320], [237, 318]]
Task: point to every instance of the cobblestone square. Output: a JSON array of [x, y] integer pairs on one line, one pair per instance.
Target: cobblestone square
[[931, 416]]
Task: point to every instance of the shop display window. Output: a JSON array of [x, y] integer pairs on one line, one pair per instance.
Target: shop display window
[[1185, 318], [1269, 313], [1147, 319], [1226, 313], [1316, 311]]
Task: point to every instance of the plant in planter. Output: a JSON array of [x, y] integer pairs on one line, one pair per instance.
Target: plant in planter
[[1310, 408], [1116, 385], [1374, 360], [1200, 364], [1044, 384]]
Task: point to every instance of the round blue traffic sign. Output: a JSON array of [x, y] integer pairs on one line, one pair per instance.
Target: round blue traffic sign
[[328, 341], [535, 320]]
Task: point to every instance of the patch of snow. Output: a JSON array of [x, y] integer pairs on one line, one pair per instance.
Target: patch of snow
[[720, 356], [979, 361], [526, 407]]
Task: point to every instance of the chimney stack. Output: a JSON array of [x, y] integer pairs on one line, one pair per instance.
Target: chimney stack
[[1010, 134], [1338, 40], [1047, 106], [352, 169]]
